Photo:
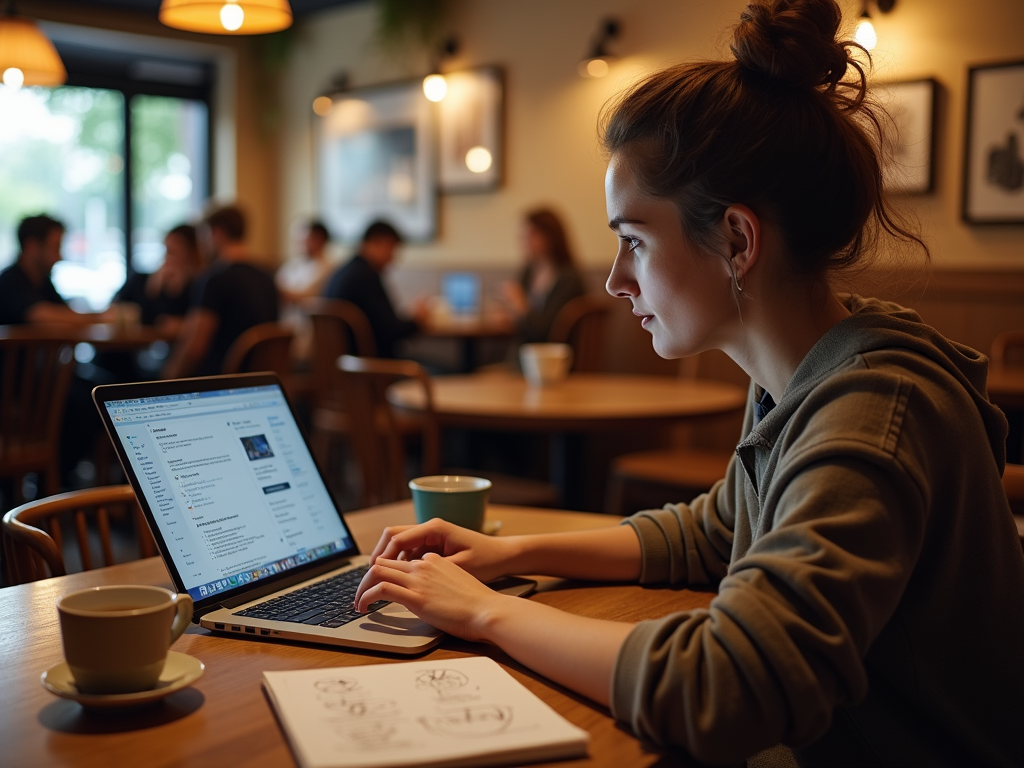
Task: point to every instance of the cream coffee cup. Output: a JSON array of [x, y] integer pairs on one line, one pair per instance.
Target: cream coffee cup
[[116, 638], [545, 363]]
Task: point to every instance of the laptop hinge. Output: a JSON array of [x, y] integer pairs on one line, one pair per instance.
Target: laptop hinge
[[265, 589]]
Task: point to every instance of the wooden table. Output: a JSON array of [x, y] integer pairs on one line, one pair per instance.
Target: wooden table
[[467, 332], [584, 402], [224, 719], [105, 337]]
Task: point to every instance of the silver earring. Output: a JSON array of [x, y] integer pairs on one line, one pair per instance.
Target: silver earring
[[736, 282]]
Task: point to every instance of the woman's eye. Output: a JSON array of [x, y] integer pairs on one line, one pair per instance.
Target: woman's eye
[[631, 243]]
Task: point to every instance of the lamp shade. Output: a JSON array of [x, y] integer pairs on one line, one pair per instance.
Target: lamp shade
[[23, 46], [227, 17]]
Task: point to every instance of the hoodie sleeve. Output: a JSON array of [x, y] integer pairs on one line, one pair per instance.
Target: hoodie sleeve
[[782, 644]]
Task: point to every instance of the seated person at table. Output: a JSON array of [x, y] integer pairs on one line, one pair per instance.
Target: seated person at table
[[548, 281], [27, 295], [359, 281], [870, 583], [303, 277], [232, 296], [163, 296]]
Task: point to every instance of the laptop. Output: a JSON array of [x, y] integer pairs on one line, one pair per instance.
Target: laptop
[[462, 292], [242, 517]]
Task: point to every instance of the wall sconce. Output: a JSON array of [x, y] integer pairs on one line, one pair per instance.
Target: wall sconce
[[599, 60], [27, 57], [227, 17], [865, 34], [435, 87]]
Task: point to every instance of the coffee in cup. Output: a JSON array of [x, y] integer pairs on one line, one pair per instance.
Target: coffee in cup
[[459, 499], [116, 638], [545, 363]]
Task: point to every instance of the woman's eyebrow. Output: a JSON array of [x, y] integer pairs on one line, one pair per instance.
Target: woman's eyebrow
[[619, 220]]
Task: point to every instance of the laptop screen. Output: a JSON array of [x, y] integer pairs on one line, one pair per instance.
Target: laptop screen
[[462, 292], [230, 484]]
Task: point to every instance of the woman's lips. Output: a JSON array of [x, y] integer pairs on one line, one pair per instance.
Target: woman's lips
[[644, 319]]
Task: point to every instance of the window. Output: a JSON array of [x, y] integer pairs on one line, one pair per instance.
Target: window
[[109, 154]]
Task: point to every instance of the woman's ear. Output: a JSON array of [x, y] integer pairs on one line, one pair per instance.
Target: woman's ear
[[743, 234]]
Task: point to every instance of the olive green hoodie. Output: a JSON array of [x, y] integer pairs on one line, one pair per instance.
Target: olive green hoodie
[[870, 609]]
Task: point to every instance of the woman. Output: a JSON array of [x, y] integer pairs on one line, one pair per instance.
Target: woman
[[549, 280], [163, 296], [870, 606]]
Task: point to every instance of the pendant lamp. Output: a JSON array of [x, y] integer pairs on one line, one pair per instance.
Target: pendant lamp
[[227, 17], [27, 57]]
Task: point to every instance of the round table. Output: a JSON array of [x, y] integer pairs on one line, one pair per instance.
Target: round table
[[583, 402]]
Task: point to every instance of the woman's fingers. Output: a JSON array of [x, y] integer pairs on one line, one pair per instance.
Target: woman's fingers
[[385, 539], [428, 537]]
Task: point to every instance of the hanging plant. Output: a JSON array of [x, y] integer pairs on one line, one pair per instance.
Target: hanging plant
[[402, 24]]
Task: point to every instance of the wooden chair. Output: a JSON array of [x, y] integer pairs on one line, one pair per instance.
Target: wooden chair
[[1008, 350], [379, 437], [673, 474], [264, 347], [1013, 484], [339, 328], [581, 323], [34, 554], [35, 372]]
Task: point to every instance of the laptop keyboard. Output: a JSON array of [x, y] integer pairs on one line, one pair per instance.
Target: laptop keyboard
[[327, 603]]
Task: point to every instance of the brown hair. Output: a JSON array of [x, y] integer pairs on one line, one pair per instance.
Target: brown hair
[[780, 129], [230, 220], [188, 234], [549, 224]]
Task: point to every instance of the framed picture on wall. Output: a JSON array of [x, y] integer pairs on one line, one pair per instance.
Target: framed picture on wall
[[470, 130], [994, 154], [375, 159], [908, 142]]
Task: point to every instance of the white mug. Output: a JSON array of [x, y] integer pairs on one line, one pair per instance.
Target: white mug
[[545, 363]]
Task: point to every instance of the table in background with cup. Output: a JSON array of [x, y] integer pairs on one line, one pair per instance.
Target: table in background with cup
[[545, 364]]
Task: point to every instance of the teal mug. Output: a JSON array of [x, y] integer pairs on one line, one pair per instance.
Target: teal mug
[[459, 499]]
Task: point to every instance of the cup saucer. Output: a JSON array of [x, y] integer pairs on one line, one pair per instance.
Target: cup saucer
[[491, 527], [180, 671]]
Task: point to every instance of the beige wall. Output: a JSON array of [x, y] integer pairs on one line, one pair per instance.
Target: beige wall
[[552, 153]]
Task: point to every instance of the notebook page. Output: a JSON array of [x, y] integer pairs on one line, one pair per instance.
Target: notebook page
[[452, 712]]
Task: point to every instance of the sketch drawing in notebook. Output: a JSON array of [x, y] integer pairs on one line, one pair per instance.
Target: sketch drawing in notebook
[[462, 712]]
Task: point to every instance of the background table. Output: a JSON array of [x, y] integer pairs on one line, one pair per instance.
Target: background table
[[582, 403], [224, 719], [468, 333]]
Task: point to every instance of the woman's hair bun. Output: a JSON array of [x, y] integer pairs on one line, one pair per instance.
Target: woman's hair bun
[[792, 42]]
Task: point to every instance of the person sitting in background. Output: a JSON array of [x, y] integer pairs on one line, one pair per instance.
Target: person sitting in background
[[359, 281], [163, 296], [27, 295], [303, 277], [548, 281], [232, 296]]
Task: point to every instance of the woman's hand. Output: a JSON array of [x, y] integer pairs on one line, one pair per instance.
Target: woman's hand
[[435, 589], [485, 557]]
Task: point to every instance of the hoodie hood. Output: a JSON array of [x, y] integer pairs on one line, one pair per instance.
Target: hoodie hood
[[875, 325]]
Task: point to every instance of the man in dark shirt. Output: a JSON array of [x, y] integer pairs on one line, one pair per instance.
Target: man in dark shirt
[[231, 297], [26, 293], [359, 281]]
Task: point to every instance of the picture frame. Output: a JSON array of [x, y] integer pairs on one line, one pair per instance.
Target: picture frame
[[376, 160], [908, 138], [993, 182], [471, 120]]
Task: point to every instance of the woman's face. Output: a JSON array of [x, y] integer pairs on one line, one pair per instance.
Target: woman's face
[[176, 253], [682, 296]]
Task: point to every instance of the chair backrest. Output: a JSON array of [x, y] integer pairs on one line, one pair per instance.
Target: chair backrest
[[339, 328], [376, 436], [31, 551], [35, 371], [264, 347], [1008, 350], [581, 324]]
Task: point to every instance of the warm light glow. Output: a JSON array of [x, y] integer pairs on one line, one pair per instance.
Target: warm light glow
[[597, 67], [13, 78], [478, 159], [231, 16], [865, 34], [27, 57], [435, 87], [322, 105], [227, 17]]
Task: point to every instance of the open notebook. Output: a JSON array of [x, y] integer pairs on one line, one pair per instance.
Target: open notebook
[[450, 712]]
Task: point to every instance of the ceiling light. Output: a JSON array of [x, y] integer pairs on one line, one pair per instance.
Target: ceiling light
[[27, 57], [599, 61], [865, 34], [322, 105], [435, 87], [227, 17], [479, 159]]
